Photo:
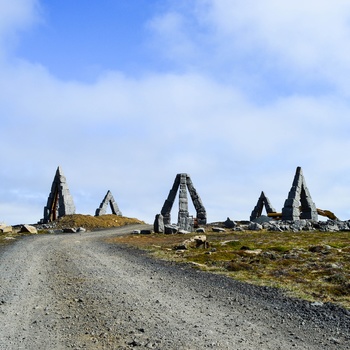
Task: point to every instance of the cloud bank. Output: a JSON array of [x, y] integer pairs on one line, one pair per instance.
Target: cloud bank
[[244, 94]]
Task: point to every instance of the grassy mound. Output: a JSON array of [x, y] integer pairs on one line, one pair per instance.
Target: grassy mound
[[95, 222]]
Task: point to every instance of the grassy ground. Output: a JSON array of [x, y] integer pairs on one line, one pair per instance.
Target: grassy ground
[[77, 220], [95, 222], [311, 265]]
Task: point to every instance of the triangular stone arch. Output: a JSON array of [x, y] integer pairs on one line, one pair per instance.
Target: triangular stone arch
[[60, 201], [182, 183], [108, 199], [263, 201], [299, 204]]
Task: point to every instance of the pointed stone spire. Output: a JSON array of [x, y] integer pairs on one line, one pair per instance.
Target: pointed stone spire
[[262, 201], [108, 199], [183, 183], [299, 204], [60, 202]]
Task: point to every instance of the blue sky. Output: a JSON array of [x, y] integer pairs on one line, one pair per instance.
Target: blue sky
[[123, 95]]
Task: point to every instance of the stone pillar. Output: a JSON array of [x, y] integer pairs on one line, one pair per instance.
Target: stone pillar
[[197, 202], [183, 215], [158, 225], [60, 202], [168, 204], [299, 204]]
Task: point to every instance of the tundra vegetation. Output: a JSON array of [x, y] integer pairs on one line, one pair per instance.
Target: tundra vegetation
[[312, 265]]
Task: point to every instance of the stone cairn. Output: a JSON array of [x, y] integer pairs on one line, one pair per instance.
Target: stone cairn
[[60, 201], [299, 204], [108, 199], [263, 201], [185, 222]]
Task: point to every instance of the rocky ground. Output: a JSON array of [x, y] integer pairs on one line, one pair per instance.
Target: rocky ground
[[76, 291]]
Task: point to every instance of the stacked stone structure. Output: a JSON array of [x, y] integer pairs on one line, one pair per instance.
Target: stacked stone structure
[[263, 201], [60, 202], [182, 183], [108, 199], [299, 204]]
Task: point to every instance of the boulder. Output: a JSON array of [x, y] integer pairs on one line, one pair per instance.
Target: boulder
[[194, 242], [5, 229], [28, 229], [158, 224], [146, 232], [200, 230], [218, 229], [70, 230], [229, 223], [170, 229], [254, 226]]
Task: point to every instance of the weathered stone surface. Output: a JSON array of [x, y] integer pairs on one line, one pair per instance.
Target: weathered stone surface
[[108, 199], [218, 229], [229, 223], [254, 226], [70, 230], [185, 221], [146, 232], [170, 229], [60, 202], [299, 204], [263, 201], [194, 242], [158, 224], [28, 229], [200, 230], [5, 229]]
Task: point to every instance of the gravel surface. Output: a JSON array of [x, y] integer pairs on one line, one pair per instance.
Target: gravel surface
[[75, 291]]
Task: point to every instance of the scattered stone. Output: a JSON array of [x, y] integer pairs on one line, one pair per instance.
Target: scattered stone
[[194, 242], [229, 223], [146, 232], [5, 229], [159, 224], [70, 230], [28, 229], [170, 229], [183, 232], [254, 226], [218, 229]]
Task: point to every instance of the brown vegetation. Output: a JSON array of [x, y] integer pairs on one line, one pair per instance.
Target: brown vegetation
[[312, 265]]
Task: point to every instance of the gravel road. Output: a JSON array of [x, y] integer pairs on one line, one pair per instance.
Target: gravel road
[[75, 291]]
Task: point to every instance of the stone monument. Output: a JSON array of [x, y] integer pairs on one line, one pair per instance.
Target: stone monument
[[263, 201], [108, 199], [183, 183], [299, 204], [60, 201]]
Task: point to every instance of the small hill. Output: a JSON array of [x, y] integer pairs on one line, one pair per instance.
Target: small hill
[[95, 222]]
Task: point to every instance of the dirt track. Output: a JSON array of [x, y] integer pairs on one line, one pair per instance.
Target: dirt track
[[76, 291]]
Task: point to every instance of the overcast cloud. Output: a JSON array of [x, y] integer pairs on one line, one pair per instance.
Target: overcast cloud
[[237, 94]]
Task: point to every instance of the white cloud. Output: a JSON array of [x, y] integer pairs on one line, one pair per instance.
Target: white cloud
[[300, 37], [16, 15], [133, 135]]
